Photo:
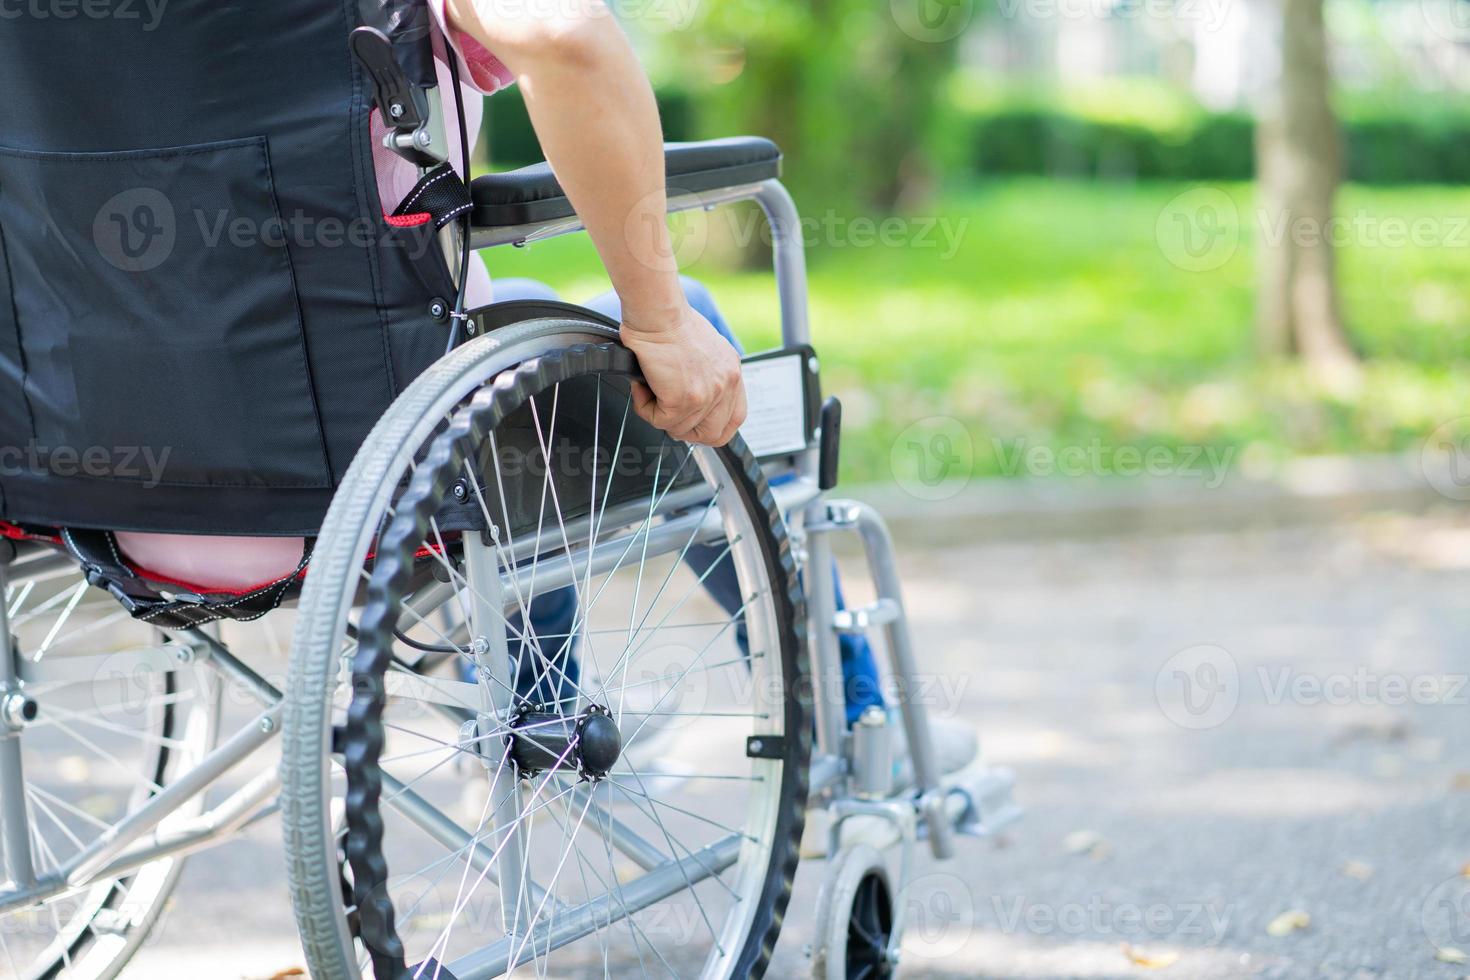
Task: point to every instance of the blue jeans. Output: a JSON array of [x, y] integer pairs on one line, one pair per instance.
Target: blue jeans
[[553, 614]]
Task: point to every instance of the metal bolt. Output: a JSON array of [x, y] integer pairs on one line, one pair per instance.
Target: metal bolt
[[184, 655], [460, 491], [812, 364], [18, 710], [438, 309], [422, 138], [469, 735], [479, 646], [267, 725], [756, 745], [395, 110]]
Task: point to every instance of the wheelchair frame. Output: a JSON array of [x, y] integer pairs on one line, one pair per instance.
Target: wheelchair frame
[[842, 778]]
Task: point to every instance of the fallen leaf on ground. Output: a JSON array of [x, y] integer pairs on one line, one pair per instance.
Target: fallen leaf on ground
[[1449, 954], [1288, 922], [1149, 961], [1360, 870], [1088, 842]]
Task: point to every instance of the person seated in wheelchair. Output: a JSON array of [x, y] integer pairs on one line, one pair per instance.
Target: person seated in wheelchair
[[595, 116], [338, 433]]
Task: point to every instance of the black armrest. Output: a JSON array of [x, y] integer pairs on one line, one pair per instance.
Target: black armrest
[[531, 194]]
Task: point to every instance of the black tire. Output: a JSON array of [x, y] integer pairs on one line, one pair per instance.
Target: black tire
[[319, 901]]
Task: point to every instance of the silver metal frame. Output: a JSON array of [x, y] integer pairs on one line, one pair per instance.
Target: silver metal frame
[[933, 811]]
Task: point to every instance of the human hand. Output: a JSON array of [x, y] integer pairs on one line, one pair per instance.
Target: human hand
[[692, 385]]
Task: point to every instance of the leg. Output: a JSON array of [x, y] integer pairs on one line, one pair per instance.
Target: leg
[[551, 613]]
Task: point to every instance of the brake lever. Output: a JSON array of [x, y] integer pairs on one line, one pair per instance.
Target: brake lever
[[403, 106]]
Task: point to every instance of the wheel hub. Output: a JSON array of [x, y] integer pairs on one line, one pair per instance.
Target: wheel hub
[[587, 743]]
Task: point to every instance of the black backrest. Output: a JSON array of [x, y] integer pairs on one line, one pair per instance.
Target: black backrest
[[202, 311]]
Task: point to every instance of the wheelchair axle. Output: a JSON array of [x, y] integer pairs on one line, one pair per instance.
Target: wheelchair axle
[[587, 743]]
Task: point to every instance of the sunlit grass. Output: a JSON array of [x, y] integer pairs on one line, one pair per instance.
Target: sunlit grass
[[1059, 319]]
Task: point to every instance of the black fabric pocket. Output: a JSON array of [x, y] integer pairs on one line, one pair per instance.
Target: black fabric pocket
[[155, 316]]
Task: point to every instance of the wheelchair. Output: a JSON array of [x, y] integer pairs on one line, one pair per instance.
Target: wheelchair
[[459, 796]]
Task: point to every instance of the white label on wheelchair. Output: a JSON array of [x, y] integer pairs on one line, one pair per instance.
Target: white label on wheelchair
[[776, 399]]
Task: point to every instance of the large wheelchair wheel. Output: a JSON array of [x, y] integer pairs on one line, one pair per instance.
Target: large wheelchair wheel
[[468, 790], [111, 716]]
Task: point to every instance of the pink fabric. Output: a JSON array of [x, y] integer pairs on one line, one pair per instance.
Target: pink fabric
[[237, 562]]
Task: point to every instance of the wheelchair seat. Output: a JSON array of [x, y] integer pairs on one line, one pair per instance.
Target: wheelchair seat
[[532, 194]]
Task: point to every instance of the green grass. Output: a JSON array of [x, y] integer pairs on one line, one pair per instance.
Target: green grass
[[1060, 321]]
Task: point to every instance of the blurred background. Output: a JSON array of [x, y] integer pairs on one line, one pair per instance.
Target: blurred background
[[1238, 224], [1151, 319]]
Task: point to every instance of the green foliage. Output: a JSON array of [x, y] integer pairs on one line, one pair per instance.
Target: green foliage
[[1383, 147], [1059, 322]]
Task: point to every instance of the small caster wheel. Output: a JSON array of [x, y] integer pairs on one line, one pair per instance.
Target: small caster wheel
[[855, 916]]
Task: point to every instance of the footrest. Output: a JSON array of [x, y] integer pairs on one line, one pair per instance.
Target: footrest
[[979, 800]]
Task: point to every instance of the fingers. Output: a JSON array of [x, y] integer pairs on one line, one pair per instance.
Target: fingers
[[678, 419]]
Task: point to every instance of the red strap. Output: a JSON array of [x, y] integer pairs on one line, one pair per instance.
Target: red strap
[[408, 220]]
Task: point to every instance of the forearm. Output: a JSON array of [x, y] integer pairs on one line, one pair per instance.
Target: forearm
[[595, 116]]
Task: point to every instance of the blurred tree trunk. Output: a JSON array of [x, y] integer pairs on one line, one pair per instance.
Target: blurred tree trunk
[[1299, 163], [857, 101]]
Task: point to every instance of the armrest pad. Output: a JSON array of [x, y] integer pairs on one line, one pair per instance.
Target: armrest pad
[[531, 194]]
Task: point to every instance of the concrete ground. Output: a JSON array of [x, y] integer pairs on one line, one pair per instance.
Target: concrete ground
[[1242, 755]]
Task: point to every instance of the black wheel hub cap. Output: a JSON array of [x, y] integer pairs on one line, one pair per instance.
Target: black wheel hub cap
[[587, 743]]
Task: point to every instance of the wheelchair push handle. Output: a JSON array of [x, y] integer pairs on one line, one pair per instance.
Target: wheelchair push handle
[[402, 100]]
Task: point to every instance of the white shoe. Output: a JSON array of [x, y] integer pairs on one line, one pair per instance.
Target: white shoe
[[955, 746]]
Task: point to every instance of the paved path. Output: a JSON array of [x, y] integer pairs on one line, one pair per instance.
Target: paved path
[[1316, 763]]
